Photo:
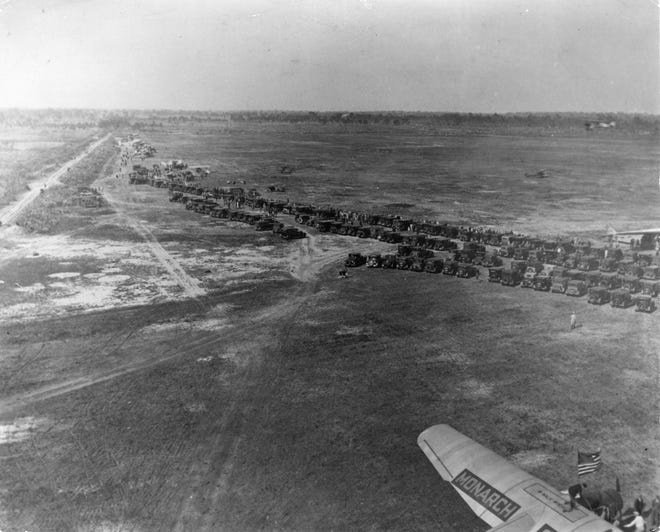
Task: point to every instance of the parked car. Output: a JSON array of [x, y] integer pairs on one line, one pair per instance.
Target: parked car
[[576, 288], [374, 261], [559, 285], [649, 287], [598, 295], [466, 271], [495, 274], [621, 298], [292, 233], [354, 260], [450, 267], [644, 304], [630, 283], [389, 261], [434, 265], [511, 277]]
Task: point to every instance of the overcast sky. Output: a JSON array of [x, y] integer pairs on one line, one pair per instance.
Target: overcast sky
[[433, 55]]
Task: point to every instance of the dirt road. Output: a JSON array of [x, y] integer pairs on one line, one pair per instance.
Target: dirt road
[[9, 214]]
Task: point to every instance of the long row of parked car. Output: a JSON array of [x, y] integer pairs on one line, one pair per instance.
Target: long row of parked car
[[261, 222], [561, 265], [602, 288]]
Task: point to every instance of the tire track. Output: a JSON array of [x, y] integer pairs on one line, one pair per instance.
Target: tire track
[[189, 285], [189, 348], [18, 401], [213, 485]]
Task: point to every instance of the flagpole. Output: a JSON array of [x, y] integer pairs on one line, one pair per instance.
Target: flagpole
[[578, 474]]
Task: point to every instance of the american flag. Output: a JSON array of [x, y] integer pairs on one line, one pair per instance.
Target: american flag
[[588, 462]]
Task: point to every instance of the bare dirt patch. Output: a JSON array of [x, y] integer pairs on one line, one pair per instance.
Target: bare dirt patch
[[21, 429]]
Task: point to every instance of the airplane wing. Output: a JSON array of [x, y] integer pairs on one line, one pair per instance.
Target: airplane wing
[[500, 493], [652, 231]]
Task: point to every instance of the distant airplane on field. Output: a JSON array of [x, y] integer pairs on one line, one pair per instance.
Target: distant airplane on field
[[649, 237], [541, 174], [503, 495], [652, 231], [599, 125]]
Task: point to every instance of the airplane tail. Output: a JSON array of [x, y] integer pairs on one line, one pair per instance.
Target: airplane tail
[[611, 230]]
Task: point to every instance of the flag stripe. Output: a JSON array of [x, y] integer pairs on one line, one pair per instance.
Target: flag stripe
[[588, 462]]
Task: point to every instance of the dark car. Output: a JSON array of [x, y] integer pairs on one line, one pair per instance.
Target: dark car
[[559, 285], [630, 283], [649, 288], [292, 233], [495, 274], [542, 283], [450, 268], [576, 288], [529, 277], [389, 261], [644, 304], [265, 224], [354, 260], [324, 226], [417, 265], [434, 266], [466, 271], [651, 272], [403, 263], [598, 295], [610, 280], [374, 261], [392, 237], [511, 277], [621, 298]]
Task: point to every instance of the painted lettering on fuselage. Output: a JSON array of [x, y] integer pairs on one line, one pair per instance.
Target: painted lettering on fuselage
[[485, 494]]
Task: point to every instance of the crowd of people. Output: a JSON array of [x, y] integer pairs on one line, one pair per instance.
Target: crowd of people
[[645, 518]]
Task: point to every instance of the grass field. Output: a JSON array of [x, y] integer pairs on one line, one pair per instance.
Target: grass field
[[26, 153], [596, 178], [168, 371]]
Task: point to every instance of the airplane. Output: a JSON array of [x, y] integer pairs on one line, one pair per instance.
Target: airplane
[[648, 236], [652, 231], [500, 493]]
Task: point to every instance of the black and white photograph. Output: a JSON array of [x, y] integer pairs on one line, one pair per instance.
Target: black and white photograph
[[329, 265]]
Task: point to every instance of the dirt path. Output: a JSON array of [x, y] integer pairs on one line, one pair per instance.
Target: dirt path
[[310, 258], [9, 214], [189, 284]]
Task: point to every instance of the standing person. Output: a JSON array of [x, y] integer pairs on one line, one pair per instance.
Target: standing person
[[637, 524], [655, 511], [639, 504], [573, 320]]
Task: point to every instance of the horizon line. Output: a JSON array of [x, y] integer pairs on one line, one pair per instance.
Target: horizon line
[[308, 111]]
